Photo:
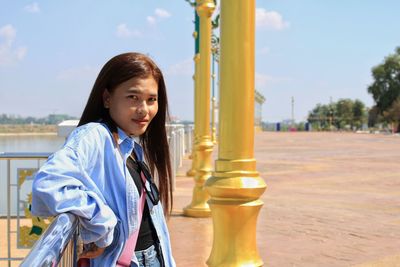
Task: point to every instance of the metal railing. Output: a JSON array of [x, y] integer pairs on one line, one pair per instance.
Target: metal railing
[[57, 245], [8, 157]]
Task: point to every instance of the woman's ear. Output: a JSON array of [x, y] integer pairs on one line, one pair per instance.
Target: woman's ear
[[106, 98]]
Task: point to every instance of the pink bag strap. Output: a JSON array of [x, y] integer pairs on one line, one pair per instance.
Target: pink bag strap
[[126, 255]]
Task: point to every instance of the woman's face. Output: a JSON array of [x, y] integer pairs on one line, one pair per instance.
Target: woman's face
[[133, 104]]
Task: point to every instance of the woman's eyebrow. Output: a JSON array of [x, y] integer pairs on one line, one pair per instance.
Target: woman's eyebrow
[[134, 90], [138, 91]]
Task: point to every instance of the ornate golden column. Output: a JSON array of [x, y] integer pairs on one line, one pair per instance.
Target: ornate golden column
[[203, 145], [235, 187], [213, 129], [213, 103], [196, 79]]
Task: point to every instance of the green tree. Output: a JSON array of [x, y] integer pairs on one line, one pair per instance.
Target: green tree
[[319, 117], [385, 88], [344, 113], [359, 114], [50, 119], [392, 114], [373, 116]]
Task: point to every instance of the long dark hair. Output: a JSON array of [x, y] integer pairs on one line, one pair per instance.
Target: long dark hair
[[154, 141]]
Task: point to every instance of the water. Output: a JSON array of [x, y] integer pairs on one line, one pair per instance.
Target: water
[[31, 143], [22, 143]]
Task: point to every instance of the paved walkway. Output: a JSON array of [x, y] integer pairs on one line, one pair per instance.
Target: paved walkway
[[333, 199]]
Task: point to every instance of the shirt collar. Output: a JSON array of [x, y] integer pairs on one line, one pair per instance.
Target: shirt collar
[[122, 136], [128, 144]]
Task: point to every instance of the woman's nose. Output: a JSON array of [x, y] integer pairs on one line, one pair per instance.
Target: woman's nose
[[142, 108]]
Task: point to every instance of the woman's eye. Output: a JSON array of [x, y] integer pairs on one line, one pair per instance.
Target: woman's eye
[[153, 99], [134, 97]]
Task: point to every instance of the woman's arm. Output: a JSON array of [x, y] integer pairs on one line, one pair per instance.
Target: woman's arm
[[63, 185]]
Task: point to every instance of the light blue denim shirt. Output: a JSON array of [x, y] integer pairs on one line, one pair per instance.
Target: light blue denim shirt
[[89, 178]]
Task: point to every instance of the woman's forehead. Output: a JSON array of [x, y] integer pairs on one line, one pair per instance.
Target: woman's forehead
[[140, 85]]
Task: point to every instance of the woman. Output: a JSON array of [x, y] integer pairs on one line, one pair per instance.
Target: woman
[[97, 175]]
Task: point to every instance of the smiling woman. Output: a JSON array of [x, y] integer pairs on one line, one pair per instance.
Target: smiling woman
[[133, 104], [101, 173]]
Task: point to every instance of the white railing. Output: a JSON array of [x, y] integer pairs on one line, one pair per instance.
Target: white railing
[[180, 139]]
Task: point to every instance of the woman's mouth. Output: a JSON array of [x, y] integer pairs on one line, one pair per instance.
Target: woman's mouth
[[140, 121]]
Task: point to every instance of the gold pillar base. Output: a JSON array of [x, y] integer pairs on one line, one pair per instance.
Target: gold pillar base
[[234, 245], [199, 206], [235, 206]]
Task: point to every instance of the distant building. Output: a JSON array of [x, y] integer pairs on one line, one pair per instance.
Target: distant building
[[259, 101], [66, 127]]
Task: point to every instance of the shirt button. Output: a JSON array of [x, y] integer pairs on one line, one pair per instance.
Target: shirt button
[[152, 212]]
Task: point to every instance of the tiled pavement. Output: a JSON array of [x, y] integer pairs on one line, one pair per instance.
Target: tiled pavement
[[332, 199]]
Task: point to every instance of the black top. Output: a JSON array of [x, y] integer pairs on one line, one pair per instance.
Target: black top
[[147, 234]]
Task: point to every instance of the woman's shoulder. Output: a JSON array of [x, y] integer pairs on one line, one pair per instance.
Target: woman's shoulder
[[90, 134]]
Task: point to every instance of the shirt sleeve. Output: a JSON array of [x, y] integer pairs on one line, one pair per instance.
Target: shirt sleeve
[[62, 185]]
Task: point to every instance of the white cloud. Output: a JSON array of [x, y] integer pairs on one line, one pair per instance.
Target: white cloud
[[79, 73], [151, 20], [8, 32], [9, 54], [32, 8], [161, 13], [123, 31], [20, 52], [185, 67], [270, 20]]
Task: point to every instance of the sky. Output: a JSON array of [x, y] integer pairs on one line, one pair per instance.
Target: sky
[[313, 51]]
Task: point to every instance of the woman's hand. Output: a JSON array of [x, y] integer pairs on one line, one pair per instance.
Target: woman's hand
[[91, 251]]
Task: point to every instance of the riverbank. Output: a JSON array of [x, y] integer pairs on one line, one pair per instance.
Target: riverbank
[[27, 129]]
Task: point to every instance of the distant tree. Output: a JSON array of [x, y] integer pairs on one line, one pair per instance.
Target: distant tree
[[373, 116], [319, 117], [392, 114], [359, 114], [385, 88], [343, 114], [29, 120], [50, 119]]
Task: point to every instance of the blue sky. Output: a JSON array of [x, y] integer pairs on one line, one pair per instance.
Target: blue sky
[[52, 51]]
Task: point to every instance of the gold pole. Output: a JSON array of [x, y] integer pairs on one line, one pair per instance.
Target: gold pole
[[203, 145], [213, 103], [235, 187], [214, 130], [196, 78]]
